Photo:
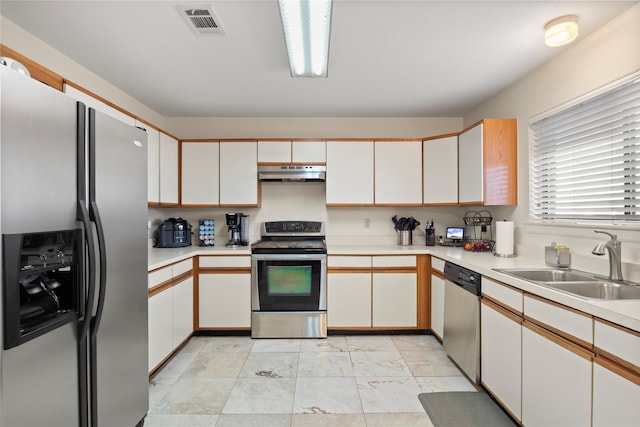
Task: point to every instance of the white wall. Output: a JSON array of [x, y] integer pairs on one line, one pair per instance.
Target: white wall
[[312, 127], [610, 53], [306, 201], [35, 49]]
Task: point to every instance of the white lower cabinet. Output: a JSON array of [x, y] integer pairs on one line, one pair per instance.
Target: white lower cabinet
[[501, 355], [556, 381], [437, 305], [349, 300], [182, 324], [224, 300], [394, 299], [160, 327], [616, 396], [366, 292]]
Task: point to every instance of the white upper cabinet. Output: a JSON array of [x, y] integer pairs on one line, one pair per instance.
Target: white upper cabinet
[[487, 163], [349, 173], [470, 169], [440, 171], [308, 152], [200, 173], [398, 172], [239, 173], [274, 151], [168, 169], [286, 151], [153, 162]]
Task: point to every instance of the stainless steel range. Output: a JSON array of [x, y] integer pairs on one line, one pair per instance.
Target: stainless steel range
[[289, 281]]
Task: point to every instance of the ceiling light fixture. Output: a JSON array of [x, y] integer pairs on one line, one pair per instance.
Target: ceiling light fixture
[[307, 24], [561, 31]]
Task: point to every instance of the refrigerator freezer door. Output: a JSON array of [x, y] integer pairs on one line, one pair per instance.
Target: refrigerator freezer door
[[38, 155], [118, 185]]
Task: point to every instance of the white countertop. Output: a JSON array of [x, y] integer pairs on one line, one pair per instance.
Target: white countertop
[[622, 312]]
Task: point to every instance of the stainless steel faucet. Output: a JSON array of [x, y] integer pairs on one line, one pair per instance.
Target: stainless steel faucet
[[614, 246]]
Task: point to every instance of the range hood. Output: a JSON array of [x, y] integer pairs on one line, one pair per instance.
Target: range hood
[[313, 173]]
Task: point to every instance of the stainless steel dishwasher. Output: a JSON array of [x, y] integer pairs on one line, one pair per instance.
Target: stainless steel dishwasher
[[461, 333]]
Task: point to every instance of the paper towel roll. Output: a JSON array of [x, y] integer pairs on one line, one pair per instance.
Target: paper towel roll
[[504, 238]]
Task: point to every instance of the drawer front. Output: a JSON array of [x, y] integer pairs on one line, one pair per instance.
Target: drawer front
[[617, 341], [159, 276], [394, 261], [182, 267], [507, 296], [349, 261], [224, 261], [561, 319], [437, 264]]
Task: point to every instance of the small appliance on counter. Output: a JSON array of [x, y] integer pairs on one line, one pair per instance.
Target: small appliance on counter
[[206, 232], [173, 233], [238, 225]]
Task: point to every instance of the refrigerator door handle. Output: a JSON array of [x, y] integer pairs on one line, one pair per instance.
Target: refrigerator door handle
[[102, 251]]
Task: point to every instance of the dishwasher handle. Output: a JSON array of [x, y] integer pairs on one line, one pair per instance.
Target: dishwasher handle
[[467, 279]]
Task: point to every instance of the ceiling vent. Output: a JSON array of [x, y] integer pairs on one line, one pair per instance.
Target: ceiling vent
[[200, 19]]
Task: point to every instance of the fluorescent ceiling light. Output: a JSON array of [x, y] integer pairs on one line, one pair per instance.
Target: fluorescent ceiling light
[[561, 31], [307, 24]]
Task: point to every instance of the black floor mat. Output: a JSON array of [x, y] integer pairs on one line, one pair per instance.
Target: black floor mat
[[464, 409]]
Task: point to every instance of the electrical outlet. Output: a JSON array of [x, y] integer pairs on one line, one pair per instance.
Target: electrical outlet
[[367, 223]]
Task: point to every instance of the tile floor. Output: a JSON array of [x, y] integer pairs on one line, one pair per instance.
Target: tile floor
[[343, 380]]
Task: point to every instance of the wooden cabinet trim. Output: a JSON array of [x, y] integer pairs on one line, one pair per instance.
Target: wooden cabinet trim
[[37, 71], [505, 311], [170, 283], [623, 371], [224, 270], [560, 340], [617, 360]]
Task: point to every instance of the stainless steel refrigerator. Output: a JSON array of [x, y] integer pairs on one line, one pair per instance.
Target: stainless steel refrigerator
[[74, 262]]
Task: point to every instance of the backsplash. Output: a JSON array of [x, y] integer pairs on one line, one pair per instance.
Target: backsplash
[[306, 201]]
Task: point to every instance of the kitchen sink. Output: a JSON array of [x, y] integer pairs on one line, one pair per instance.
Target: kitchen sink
[[598, 290], [578, 283], [550, 275]]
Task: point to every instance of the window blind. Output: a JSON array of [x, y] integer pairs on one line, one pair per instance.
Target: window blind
[[585, 159]]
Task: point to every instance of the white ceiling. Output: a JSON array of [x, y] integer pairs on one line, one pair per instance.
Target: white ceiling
[[415, 58]]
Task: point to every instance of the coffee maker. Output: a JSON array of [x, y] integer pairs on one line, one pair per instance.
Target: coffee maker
[[238, 225]]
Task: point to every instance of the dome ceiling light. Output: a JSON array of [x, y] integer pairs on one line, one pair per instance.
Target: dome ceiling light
[[561, 31]]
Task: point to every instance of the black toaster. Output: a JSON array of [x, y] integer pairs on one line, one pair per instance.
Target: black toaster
[[173, 233]]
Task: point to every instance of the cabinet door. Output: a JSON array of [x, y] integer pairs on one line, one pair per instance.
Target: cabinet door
[[308, 152], [349, 300], [168, 169], [437, 306], [160, 325], [239, 173], [182, 311], [200, 173], [440, 170], [615, 398], [470, 166], [153, 163], [225, 300], [501, 355], [274, 151], [395, 299], [349, 173], [398, 173], [556, 381]]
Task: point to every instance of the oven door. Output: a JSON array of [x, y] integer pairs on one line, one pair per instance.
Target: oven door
[[288, 282]]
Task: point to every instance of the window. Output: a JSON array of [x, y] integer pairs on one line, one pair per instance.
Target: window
[[585, 159]]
